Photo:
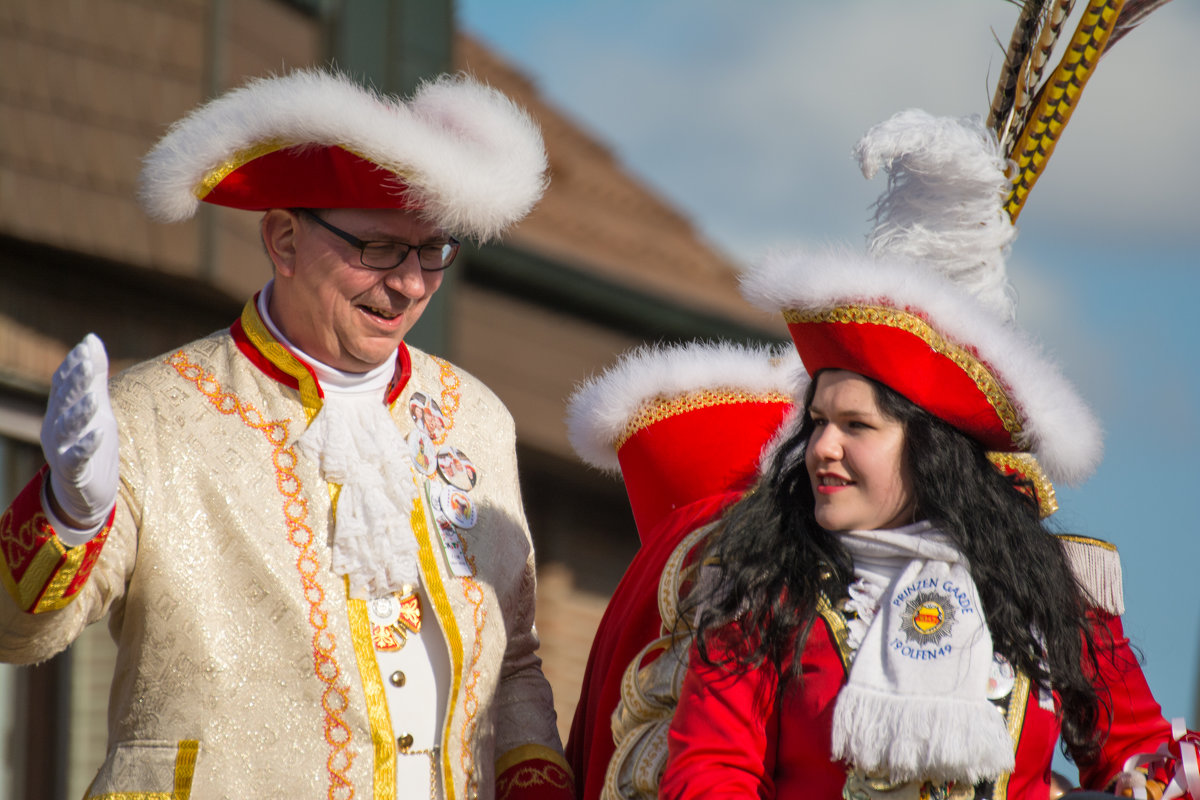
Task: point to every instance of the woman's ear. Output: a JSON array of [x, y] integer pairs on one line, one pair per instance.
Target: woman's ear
[[278, 228]]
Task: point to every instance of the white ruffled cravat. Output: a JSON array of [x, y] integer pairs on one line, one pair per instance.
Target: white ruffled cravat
[[357, 446], [915, 704], [355, 443]]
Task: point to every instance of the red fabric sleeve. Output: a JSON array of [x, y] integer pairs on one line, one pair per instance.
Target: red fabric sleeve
[[1137, 724], [631, 621], [39, 571], [535, 779], [724, 735]]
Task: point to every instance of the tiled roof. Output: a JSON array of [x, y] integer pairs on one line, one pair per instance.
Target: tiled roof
[[598, 218]]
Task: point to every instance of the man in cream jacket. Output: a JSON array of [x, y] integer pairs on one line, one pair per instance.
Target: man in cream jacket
[[305, 603]]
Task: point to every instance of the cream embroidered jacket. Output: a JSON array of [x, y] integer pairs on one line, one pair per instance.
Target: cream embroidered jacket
[[243, 668]]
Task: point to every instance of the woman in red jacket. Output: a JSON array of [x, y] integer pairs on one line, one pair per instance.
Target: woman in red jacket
[[806, 563], [886, 614]]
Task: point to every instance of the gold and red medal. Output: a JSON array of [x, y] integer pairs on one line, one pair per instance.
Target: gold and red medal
[[393, 618]]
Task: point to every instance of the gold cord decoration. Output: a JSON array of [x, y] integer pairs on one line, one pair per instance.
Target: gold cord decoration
[[335, 697], [450, 395]]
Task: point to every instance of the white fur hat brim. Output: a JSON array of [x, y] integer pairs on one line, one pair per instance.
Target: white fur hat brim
[[601, 410], [466, 156]]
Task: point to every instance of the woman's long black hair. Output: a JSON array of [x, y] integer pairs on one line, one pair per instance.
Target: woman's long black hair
[[774, 561]]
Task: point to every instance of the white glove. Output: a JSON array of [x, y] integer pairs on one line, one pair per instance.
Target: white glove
[[79, 439]]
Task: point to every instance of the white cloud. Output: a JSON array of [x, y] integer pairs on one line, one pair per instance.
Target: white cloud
[[744, 114]]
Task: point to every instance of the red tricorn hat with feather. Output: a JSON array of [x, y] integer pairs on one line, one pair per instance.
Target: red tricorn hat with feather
[[927, 310]]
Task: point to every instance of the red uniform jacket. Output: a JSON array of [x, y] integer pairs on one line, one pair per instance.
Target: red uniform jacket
[[734, 736], [630, 622]]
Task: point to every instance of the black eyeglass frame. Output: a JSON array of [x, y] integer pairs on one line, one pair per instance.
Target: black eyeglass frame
[[361, 245]]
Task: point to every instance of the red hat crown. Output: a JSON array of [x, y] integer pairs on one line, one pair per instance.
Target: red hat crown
[[683, 424]]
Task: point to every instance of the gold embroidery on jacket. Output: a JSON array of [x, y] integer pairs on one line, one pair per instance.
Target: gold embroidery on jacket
[[1014, 715], [185, 770], [450, 401], [474, 594], [38, 568], [531, 775], [335, 699], [372, 684], [280, 356]]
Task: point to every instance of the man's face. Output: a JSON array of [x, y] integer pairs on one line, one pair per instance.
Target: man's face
[[332, 307]]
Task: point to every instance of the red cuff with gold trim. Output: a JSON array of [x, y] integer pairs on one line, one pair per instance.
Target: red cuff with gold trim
[[533, 772], [39, 572]]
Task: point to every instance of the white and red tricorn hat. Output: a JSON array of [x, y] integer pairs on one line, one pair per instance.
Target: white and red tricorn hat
[[928, 311], [460, 153], [683, 423]]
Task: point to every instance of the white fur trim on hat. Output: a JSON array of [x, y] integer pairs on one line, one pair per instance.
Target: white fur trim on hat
[[1058, 427], [601, 408], [470, 158]]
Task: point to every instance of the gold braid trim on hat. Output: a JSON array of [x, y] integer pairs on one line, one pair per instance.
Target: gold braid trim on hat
[[975, 369], [1056, 99], [1025, 465], [212, 179], [661, 408], [239, 159]]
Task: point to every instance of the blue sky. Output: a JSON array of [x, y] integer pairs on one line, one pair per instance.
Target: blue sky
[[743, 115]]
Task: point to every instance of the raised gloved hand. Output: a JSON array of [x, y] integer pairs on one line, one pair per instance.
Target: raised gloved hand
[[79, 438]]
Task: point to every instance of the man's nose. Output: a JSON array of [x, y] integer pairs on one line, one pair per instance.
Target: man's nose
[[407, 277]]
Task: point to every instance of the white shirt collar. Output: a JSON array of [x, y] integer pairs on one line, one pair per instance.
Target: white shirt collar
[[331, 379]]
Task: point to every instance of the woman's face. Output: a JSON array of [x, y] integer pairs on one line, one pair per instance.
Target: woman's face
[[855, 458]]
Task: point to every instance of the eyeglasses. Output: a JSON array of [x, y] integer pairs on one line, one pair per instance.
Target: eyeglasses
[[389, 255]]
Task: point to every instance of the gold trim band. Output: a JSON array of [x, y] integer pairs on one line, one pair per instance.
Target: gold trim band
[[1070, 537], [378, 715], [661, 408], [975, 369], [837, 629], [444, 613], [281, 357]]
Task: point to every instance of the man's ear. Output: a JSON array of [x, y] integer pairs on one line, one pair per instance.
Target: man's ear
[[278, 229]]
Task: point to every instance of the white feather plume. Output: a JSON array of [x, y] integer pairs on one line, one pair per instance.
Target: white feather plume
[[943, 206], [472, 159], [601, 408]]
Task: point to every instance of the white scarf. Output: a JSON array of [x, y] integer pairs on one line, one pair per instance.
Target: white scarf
[[915, 704]]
